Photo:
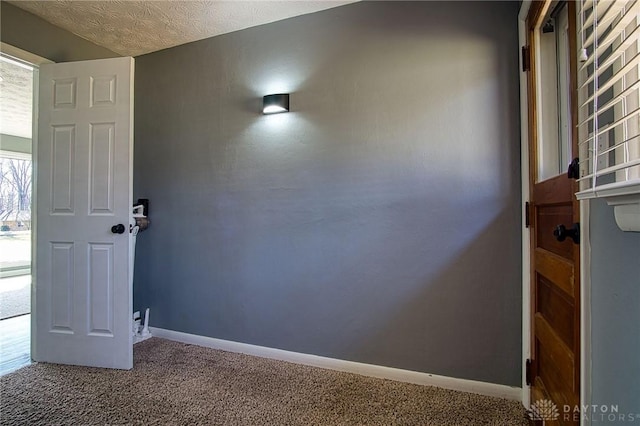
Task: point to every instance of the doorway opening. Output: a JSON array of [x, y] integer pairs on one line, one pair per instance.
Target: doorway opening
[[16, 186]]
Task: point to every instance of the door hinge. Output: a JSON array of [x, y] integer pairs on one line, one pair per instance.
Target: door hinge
[[529, 372], [573, 172], [527, 214], [526, 58]]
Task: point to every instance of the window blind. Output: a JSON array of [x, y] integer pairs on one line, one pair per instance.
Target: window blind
[[609, 97]]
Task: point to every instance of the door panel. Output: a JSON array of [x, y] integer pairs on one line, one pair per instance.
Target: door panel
[[83, 297], [101, 168], [556, 308], [556, 351], [101, 289], [548, 217], [555, 289], [556, 269], [553, 384], [62, 169], [62, 283]]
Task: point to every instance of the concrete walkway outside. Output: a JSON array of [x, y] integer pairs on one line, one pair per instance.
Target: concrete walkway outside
[[15, 270], [15, 249], [15, 296]]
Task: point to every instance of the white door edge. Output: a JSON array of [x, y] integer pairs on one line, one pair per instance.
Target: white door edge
[[526, 239], [585, 309]]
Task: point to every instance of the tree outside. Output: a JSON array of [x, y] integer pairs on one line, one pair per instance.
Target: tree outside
[[15, 216], [15, 194]]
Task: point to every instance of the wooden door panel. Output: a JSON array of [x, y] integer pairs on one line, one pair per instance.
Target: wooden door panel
[[556, 269], [549, 216], [553, 191], [556, 387], [557, 309], [554, 349]]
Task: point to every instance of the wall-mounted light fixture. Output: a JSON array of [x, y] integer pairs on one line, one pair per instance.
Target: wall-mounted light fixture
[[272, 104]]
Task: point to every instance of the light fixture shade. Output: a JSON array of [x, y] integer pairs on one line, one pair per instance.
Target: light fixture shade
[[273, 104]]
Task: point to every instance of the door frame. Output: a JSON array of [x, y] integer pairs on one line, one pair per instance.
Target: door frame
[[524, 169], [585, 247], [36, 61]]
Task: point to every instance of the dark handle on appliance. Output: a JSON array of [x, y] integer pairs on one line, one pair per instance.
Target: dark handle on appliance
[[118, 229], [561, 233]]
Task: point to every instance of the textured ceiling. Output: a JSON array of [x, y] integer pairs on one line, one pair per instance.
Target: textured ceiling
[[16, 94], [133, 28]]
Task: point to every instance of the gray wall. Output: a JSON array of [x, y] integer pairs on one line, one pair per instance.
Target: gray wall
[[615, 312], [31, 33], [378, 222]]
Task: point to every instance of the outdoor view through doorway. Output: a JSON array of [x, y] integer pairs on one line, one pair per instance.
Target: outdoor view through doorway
[[16, 101]]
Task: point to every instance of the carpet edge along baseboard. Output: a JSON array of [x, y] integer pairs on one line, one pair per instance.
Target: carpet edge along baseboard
[[378, 371]]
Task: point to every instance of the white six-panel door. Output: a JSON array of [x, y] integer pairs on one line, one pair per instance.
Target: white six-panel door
[[84, 162]]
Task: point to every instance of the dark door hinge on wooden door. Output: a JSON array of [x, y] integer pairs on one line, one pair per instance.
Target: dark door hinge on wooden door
[[526, 58], [527, 214], [528, 372]]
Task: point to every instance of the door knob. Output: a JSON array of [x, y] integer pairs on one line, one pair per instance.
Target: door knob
[[561, 233], [118, 229]]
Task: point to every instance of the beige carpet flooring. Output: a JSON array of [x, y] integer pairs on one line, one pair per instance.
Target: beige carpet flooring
[[178, 384]]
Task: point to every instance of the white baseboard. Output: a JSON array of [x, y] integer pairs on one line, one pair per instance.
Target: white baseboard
[[138, 338], [407, 376]]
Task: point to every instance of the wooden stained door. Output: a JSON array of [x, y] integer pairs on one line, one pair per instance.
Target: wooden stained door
[[83, 291], [554, 372]]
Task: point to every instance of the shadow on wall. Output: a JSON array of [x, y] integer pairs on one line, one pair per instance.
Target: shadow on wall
[[453, 312], [615, 312], [377, 222]]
